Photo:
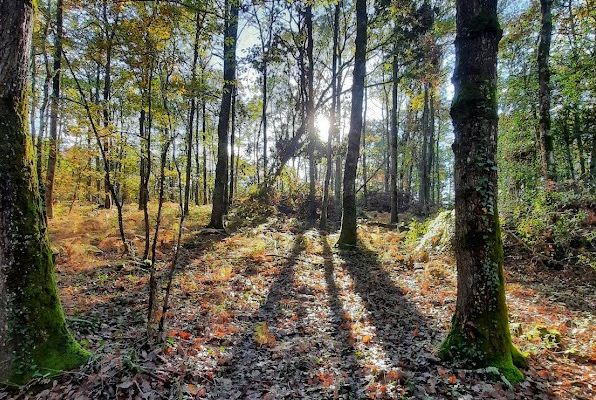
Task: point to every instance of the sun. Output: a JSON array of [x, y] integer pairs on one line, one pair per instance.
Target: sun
[[322, 125]]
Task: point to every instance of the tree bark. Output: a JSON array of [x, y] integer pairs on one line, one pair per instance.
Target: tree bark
[[337, 195], [152, 302], [221, 169], [424, 178], [310, 116], [264, 118], [107, 87], [479, 334], [364, 167], [33, 332], [143, 162], [546, 147], [148, 161], [333, 119], [54, 110], [394, 219], [43, 108], [348, 235], [232, 143], [204, 135], [193, 106]]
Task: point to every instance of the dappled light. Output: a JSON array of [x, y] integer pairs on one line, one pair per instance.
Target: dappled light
[[229, 200]]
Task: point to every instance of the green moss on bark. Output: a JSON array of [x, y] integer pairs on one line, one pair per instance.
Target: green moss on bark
[[482, 346], [475, 100], [484, 339], [35, 337]]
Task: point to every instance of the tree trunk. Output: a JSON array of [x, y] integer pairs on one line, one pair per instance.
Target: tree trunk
[[264, 118], [204, 135], [193, 106], [479, 334], [42, 110], [337, 195], [232, 143], [310, 116], [333, 117], [593, 158], [394, 219], [547, 158], [364, 170], [221, 169], [147, 162], [577, 133], [33, 333], [197, 158], [54, 109], [143, 164], [424, 178], [107, 87], [567, 141], [152, 274], [348, 236], [431, 148]]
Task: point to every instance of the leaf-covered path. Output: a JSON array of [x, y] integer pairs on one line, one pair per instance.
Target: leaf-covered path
[[276, 312]]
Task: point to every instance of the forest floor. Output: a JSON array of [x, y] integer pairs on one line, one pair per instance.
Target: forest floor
[[274, 311]]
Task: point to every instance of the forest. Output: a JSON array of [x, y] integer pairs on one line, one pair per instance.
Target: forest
[[297, 199]]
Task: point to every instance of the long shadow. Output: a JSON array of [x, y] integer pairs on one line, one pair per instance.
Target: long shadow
[[407, 337], [241, 377], [347, 356]]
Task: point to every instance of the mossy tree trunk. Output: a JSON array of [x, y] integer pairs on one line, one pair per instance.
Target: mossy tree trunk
[[221, 169], [33, 333], [347, 236], [480, 329]]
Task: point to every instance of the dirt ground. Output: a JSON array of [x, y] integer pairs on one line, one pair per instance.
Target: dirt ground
[[274, 311]]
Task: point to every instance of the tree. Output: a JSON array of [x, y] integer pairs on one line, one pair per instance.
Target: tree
[[334, 131], [199, 18], [54, 110], [310, 113], [33, 332], [547, 157], [394, 219], [479, 333], [348, 236], [221, 169]]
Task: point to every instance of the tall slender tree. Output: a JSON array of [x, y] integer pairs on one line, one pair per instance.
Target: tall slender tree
[[310, 112], [348, 235], [33, 333], [546, 145], [193, 107], [394, 219], [479, 333], [334, 129], [54, 110], [221, 169]]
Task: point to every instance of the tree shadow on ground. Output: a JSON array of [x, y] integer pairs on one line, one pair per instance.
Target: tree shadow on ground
[[406, 335], [347, 356], [245, 372]]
